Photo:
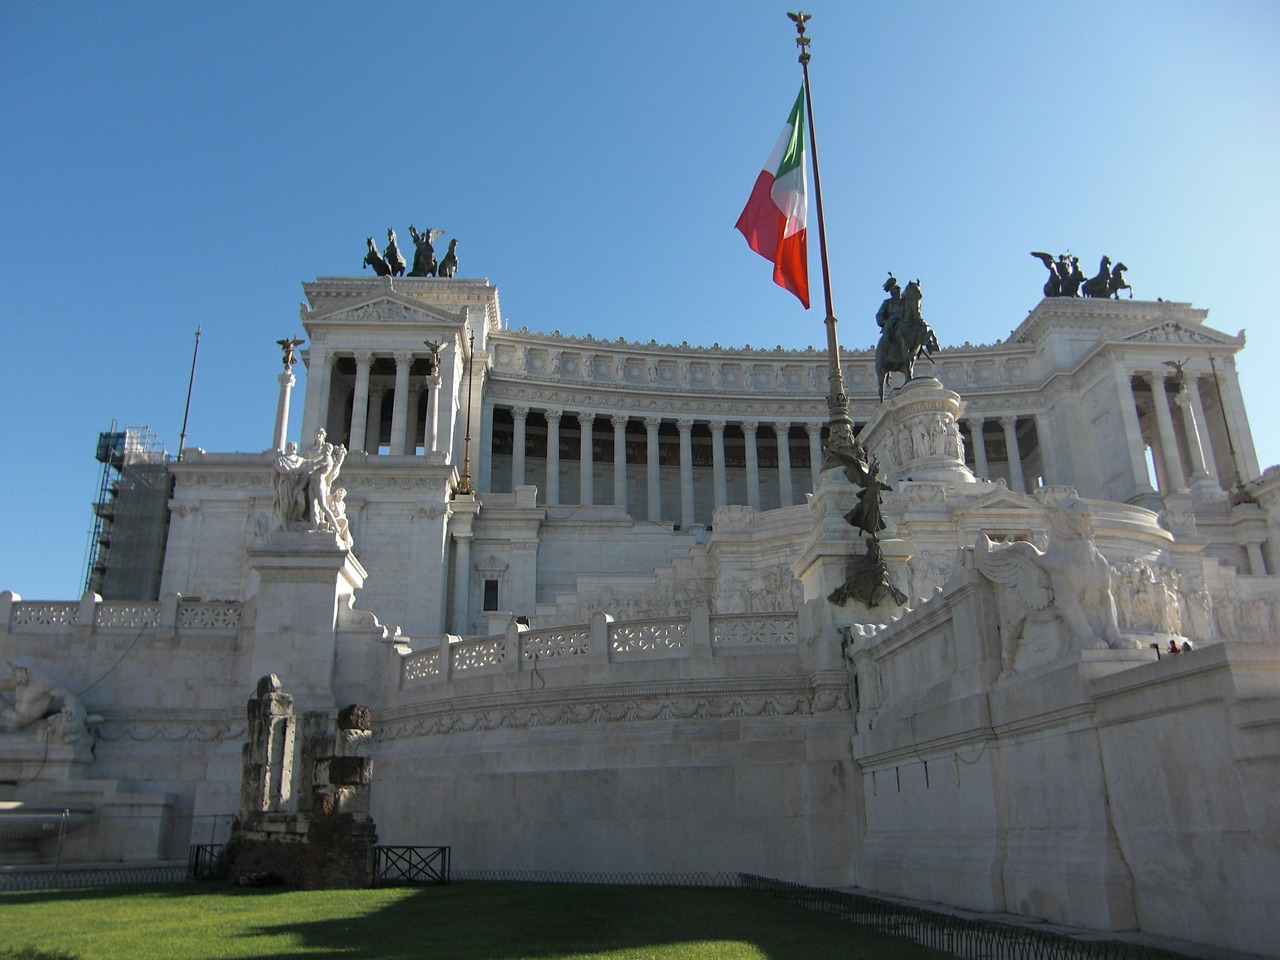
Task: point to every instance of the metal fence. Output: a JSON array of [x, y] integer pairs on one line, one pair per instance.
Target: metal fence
[[66, 878], [204, 862], [968, 937], [402, 864], [689, 879]]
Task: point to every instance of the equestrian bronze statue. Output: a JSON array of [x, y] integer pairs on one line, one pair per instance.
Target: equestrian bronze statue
[[905, 337]]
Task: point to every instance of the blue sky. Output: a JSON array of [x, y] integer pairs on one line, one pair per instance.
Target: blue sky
[[168, 165]]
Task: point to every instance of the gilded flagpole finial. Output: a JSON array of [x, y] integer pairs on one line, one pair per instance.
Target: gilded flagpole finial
[[800, 19]]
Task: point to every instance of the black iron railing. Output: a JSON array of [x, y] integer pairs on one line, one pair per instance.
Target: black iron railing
[[204, 862], [405, 864], [960, 936]]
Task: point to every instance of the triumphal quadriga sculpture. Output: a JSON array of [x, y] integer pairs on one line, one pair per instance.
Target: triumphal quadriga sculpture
[[615, 606]]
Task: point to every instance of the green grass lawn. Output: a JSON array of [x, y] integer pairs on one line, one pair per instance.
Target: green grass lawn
[[468, 921]]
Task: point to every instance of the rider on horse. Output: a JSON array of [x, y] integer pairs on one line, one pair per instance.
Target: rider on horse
[[904, 334]]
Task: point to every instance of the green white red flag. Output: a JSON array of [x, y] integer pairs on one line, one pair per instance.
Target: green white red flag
[[774, 219]]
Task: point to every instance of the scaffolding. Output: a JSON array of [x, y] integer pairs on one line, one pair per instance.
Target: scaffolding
[[130, 515]]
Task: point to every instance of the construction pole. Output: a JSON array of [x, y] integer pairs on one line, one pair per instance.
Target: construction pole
[[182, 437]]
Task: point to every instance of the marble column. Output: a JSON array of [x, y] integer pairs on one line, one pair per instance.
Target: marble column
[[619, 461], [786, 496], [1170, 456], [373, 432], [553, 456], [978, 440], [653, 469], [462, 585], [1048, 459], [753, 464], [1016, 480], [1202, 430], [586, 461], [484, 452], [400, 402], [717, 463], [360, 400], [1237, 419], [519, 417], [433, 414], [1195, 449], [686, 473], [1257, 563], [315, 408], [287, 381], [416, 391], [1132, 431], [461, 522], [815, 452]]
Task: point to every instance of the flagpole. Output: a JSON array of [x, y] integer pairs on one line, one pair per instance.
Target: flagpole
[[840, 426]]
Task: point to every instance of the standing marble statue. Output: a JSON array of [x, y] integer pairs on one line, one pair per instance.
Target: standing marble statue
[[303, 485]]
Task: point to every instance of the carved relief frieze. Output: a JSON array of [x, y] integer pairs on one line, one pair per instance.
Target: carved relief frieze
[[170, 729], [695, 704], [1175, 332]]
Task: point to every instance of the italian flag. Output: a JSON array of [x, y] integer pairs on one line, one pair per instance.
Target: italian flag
[[773, 220]]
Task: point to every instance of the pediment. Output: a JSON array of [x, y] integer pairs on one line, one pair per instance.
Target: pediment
[[387, 308], [1174, 331], [1004, 500]]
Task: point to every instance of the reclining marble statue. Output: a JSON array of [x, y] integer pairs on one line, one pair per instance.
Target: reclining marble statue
[[304, 497], [1069, 583], [31, 700]]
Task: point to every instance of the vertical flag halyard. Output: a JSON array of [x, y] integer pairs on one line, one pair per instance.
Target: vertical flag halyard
[[774, 219]]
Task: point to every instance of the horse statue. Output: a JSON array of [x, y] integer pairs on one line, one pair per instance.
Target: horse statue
[[449, 265], [1118, 282], [392, 255], [905, 336], [374, 259], [424, 254], [1108, 282], [1065, 275]]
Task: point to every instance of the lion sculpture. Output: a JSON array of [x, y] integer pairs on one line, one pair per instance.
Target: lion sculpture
[[1070, 583]]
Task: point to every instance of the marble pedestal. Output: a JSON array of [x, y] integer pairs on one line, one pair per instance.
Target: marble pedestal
[[914, 434], [302, 579]]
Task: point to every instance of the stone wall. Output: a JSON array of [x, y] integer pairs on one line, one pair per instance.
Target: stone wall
[[1108, 789]]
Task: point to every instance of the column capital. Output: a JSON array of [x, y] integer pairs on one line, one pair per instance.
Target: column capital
[[519, 413], [782, 427], [1009, 421], [432, 380], [287, 379], [975, 420], [552, 415], [403, 357], [586, 419], [749, 427], [364, 358], [814, 429], [717, 427], [685, 425], [652, 423], [619, 421]]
